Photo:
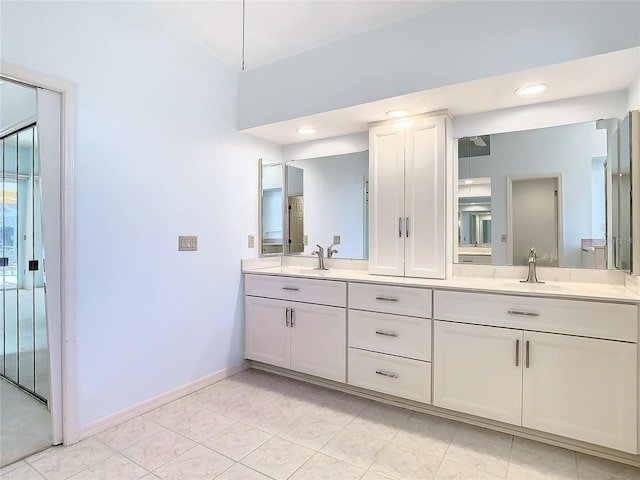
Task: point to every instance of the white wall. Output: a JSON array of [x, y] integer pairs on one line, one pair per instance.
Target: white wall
[[634, 95], [461, 42], [158, 155]]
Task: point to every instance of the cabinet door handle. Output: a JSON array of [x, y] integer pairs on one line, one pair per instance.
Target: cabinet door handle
[[517, 352], [387, 299], [293, 289], [386, 334], [406, 227], [286, 317], [526, 354], [387, 374], [293, 318], [522, 312], [400, 227]]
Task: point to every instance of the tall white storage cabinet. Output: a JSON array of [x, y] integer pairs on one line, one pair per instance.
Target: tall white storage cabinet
[[407, 163]]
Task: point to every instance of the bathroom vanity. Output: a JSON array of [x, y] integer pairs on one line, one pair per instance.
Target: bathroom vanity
[[556, 362]]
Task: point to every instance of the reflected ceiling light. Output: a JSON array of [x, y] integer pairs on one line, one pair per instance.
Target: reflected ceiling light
[[397, 113], [531, 90], [468, 181], [306, 130]]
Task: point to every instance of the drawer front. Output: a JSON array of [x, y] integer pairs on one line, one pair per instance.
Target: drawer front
[[572, 317], [415, 302], [394, 334], [324, 292], [397, 376]]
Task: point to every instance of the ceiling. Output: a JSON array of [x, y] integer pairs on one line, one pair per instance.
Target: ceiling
[[275, 30]]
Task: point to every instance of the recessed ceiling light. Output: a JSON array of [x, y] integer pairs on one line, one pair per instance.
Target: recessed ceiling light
[[531, 90], [398, 113], [468, 181], [306, 130]]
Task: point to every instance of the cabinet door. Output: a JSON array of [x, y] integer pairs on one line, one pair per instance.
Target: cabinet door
[[319, 341], [386, 200], [425, 198], [581, 388], [478, 370], [267, 338]]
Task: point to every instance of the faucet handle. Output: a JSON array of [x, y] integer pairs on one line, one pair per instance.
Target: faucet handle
[[320, 249]]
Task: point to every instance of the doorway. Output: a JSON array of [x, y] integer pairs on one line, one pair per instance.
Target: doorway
[[534, 216]]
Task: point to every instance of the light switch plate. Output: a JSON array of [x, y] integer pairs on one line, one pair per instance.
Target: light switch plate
[[251, 241], [187, 243], [336, 239], [503, 238]]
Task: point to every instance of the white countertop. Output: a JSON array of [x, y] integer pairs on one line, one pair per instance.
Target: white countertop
[[567, 290]]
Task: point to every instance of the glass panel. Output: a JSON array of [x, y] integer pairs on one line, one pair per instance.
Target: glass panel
[[271, 230], [623, 214], [9, 253]]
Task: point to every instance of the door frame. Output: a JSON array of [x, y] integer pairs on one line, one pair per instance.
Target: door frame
[[61, 325], [559, 220]]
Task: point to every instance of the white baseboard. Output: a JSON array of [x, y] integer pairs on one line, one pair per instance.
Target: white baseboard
[[155, 402]]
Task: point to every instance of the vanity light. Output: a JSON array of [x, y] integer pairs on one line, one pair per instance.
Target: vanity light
[[397, 113], [531, 90], [306, 130]]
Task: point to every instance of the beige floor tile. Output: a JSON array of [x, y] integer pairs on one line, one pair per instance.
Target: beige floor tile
[[159, 449], [272, 418], [240, 472], [60, 463], [369, 475], [310, 432], [237, 441], [323, 467], [403, 463], [481, 449], [130, 433], [593, 468], [277, 458], [199, 463], [174, 412], [202, 425], [355, 448], [428, 432], [537, 461], [19, 471], [454, 471], [113, 467]]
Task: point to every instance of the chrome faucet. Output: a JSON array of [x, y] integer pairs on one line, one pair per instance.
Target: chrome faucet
[[331, 251], [320, 253], [532, 277]]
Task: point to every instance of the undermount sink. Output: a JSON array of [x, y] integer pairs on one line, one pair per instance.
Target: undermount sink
[[533, 287]]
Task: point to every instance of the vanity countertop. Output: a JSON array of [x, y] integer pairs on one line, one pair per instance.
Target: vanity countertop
[[511, 286]]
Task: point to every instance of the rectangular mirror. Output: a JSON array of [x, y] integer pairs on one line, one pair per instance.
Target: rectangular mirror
[[270, 199], [550, 188], [327, 204]]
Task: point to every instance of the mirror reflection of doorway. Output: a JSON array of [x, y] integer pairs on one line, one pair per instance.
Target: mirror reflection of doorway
[[296, 224], [535, 218]]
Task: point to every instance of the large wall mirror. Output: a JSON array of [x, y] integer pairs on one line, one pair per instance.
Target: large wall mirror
[[326, 203], [563, 190], [271, 237]]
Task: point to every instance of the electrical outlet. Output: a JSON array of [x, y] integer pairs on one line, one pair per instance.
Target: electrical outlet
[[251, 241], [187, 243], [305, 240], [336, 239], [503, 238]]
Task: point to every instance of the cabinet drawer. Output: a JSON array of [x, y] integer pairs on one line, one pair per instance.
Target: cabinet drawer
[[572, 317], [415, 302], [395, 334], [325, 292], [397, 376]]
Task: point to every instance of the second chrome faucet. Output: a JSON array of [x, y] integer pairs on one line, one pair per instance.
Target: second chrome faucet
[[320, 253]]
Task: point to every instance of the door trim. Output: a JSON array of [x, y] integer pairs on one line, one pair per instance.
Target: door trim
[[64, 379]]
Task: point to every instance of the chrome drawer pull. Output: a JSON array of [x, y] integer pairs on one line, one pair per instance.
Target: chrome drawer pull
[[387, 299], [387, 374], [293, 289], [386, 334], [522, 312]]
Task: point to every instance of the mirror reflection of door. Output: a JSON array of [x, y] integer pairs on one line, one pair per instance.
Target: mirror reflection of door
[[534, 217], [296, 224]]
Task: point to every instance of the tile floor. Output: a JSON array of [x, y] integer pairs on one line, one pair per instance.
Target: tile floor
[[25, 424], [259, 426]]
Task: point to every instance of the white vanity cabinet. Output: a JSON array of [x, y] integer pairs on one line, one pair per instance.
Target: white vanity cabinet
[[390, 340], [297, 323], [559, 366], [407, 197]]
